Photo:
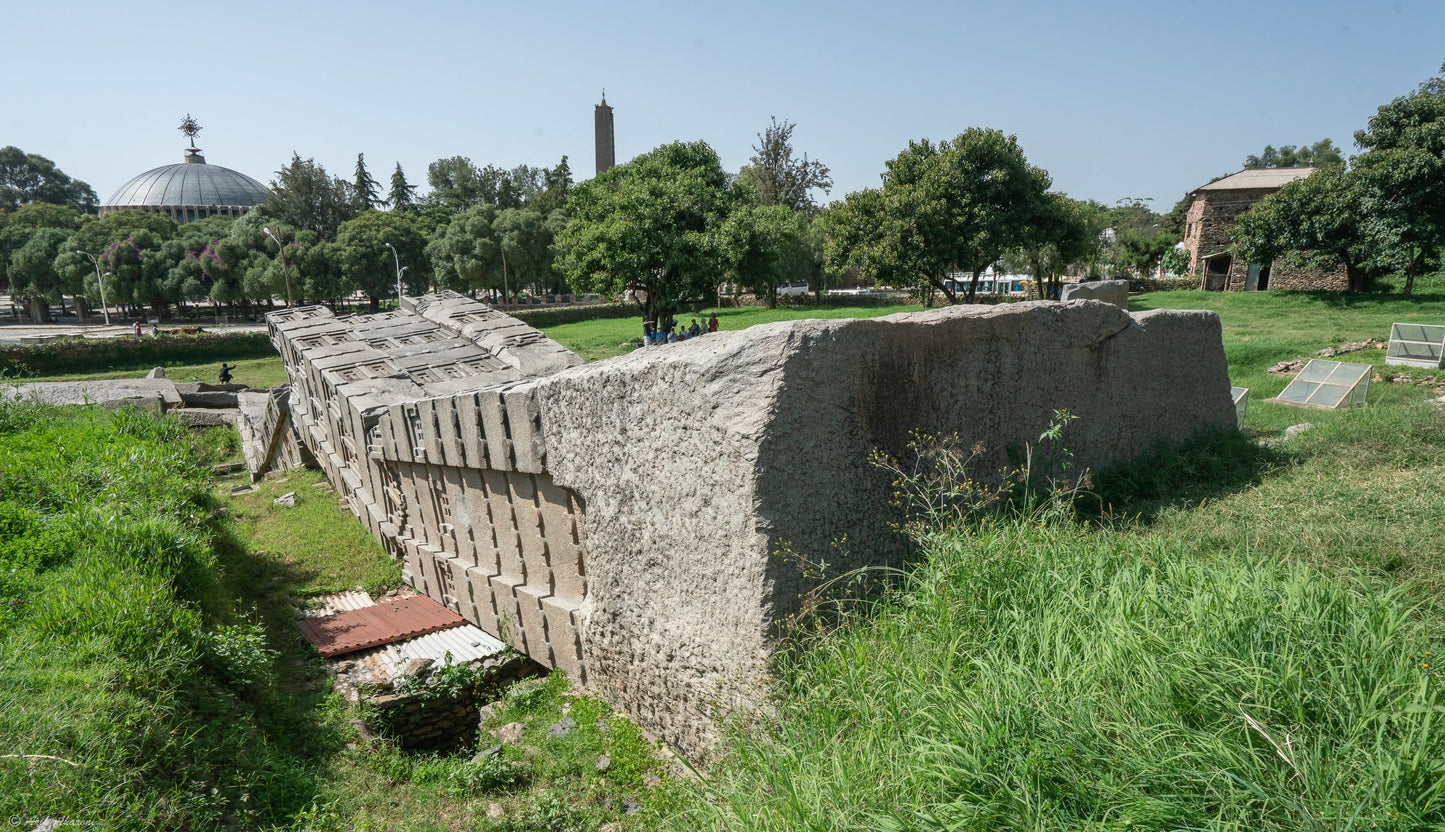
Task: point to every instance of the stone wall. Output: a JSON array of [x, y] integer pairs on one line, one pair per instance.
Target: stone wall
[[1206, 232], [621, 521], [425, 718]]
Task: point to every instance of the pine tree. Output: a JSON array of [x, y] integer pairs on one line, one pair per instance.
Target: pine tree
[[364, 188], [402, 195]]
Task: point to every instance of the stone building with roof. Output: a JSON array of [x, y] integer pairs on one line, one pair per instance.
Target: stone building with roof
[[1206, 236], [188, 191]]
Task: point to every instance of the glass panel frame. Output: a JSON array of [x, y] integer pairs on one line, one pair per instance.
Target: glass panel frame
[[1328, 385], [1417, 345]]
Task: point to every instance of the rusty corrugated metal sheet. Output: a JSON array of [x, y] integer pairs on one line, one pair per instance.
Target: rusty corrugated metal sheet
[[391, 620]]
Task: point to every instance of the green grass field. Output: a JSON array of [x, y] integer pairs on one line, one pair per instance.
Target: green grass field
[[1261, 330], [605, 338], [255, 372], [590, 339]]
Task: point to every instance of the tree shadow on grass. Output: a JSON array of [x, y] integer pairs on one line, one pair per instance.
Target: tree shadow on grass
[[1385, 291], [281, 716], [1208, 467]]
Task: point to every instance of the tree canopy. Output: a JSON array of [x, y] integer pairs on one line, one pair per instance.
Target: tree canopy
[[304, 195], [368, 265], [646, 227], [1315, 217], [774, 176], [763, 247], [1402, 171], [365, 192], [1320, 154], [28, 177], [959, 204], [402, 195]]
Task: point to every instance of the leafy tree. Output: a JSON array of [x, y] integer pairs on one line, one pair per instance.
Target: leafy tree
[[521, 186], [365, 261], [253, 261], [17, 226], [773, 176], [1140, 238], [465, 253], [33, 276], [646, 227], [456, 183], [364, 190], [957, 204], [303, 195], [196, 270], [402, 196], [1311, 218], [1402, 173], [127, 244], [28, 177], [1176, 262], [556, 185], [1066, 234], [1319, 154], [765, 246], [525, 240]]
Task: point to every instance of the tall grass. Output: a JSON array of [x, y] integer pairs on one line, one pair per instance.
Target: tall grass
[[1049, 677], [133, 693], [1036, 672]]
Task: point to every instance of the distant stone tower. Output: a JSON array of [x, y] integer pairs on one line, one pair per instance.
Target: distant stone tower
[[606, 152]]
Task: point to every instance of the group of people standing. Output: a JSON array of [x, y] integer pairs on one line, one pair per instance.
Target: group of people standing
[[652, 335]]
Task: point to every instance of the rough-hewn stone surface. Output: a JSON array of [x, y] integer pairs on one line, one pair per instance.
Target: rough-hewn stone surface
[[198, 417], [1108, 291], [712, 455], [155, 394], [622, 520]]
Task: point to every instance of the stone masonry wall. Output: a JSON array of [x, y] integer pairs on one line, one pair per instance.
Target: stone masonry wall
[[1207, 224]]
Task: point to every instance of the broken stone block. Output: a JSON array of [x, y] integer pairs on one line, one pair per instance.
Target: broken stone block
[[511, 733], [1108, 291]]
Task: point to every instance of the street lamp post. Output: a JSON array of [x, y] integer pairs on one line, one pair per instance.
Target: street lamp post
[[504, 273], [99, 281], [285, 266], [396, 261]]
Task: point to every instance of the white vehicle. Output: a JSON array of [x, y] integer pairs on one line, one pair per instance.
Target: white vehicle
[[793, 290]]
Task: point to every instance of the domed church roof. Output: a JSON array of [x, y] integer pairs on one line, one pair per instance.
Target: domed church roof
[[190, 190]]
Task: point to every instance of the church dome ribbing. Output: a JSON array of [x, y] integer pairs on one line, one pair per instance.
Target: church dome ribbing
[[190, 190]]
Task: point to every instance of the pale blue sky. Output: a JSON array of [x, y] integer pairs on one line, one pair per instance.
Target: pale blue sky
[[1116, 99]]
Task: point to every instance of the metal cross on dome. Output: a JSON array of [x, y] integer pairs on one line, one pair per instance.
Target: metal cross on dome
[[190, 128]]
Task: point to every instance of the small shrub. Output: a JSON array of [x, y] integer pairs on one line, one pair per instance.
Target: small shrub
[[549, 813], [238, 653], [487, 774], [529, 693]]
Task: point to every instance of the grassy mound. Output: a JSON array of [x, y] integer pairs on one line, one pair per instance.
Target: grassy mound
[[134, 695]]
